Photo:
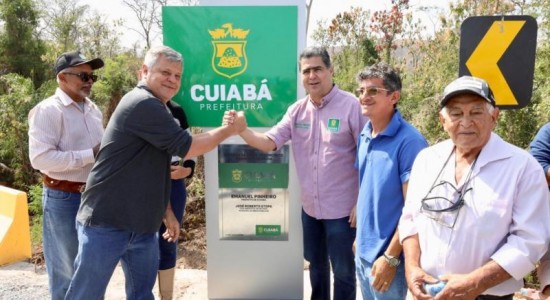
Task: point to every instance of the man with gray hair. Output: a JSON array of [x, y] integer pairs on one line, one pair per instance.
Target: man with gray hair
[[476, 217], [127, 192]]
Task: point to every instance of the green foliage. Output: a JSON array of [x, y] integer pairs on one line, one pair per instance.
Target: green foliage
[[100, 38], [20, 48], [532, 280], [425, 117], [517, 126], [541, 85], [350, 45], [118, 76], [35, 209], [45, 90], [195, 185], [35, 199], [16, 99], [428, 64], [65, 22], [36, 231], [349, 62], [424, 78], [370, 56]]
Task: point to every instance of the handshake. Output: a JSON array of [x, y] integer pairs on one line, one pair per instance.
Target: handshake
[[235, 121]]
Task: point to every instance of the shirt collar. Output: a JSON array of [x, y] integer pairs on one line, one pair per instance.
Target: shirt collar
[[493, 151], [328, 97], [392, 127], [65, 99], [143, 85]]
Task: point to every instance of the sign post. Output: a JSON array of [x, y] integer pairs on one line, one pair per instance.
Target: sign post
[[243, 55], [501, 50]]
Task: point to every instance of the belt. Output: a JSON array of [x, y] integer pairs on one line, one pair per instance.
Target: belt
[[491, 297], [63, 185]]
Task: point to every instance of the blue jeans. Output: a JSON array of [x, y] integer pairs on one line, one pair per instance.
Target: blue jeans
[[60, 239], [324, 240], [99, 251], [398, 287], [169, 250]]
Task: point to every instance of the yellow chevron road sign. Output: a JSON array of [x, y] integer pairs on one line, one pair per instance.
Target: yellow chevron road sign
[[501, 50]]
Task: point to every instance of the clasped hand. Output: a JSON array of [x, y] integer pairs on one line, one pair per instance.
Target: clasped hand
[[458, 286], [179, 172]]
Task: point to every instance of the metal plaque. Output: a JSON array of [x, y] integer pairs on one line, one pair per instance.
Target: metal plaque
[[253, 194]]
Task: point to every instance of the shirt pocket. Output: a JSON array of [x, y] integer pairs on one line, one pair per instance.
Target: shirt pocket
[[488, 206]]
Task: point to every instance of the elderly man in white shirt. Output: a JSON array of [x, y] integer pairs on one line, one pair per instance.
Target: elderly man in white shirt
[[477, 209]]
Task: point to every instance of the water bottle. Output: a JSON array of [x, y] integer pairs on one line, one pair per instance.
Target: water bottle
[[433, 288]]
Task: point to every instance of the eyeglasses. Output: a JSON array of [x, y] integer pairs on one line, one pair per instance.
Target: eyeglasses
[[442, 204], [440, 208], [85, 77], [436, 206], [371, 91]]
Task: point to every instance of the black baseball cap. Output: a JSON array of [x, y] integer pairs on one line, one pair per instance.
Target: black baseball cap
[[75, 58], [468, 85]]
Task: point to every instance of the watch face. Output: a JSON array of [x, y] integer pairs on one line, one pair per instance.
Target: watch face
[[392, 261]]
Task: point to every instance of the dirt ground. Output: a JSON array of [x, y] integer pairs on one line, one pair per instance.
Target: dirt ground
[[192, 246], [25, 281], [28, 279]]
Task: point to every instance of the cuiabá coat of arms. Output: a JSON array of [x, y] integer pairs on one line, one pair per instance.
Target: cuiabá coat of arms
[[237, 175], [229, 55]]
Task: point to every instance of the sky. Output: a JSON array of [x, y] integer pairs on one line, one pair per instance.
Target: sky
[[321, 10]]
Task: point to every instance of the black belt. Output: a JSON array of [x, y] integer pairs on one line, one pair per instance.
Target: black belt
[[491, 297]]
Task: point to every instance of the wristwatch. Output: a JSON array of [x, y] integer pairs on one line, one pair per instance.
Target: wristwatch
[[392, 260]]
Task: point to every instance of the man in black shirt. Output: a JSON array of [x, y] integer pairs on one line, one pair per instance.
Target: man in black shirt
[[127, 192]]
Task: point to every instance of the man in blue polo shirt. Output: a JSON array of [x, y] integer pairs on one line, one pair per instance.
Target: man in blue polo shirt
[[386, 151]]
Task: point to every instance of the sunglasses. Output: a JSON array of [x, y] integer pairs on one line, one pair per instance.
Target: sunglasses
[[85, 77], [442, 204], [371, 91], [442, 210]]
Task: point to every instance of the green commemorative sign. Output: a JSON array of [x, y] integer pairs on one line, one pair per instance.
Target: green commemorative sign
[[235, 57]]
